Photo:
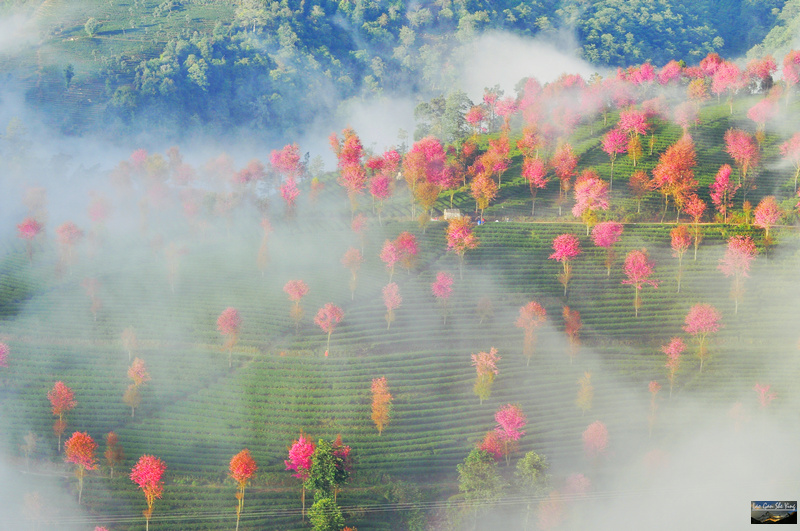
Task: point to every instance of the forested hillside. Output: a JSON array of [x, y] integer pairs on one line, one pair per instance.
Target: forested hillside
[[279, 65]]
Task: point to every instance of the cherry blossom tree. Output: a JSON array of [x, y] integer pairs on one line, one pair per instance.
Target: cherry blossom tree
[[390, 255], [670, 72], [492, 445], [352, 174], [510, 423], [595, 440], [407, 249], [614, 142], [483, 190], [791, 70], [727, 79], [228, 323], [702, 320], [686, 115], [485, 364], [114, 453], [79, 450], [327, 318], [92, 287], [638, 269], [380, 187], [381, 403], [441, 288], [736, 263], [572, 327], [591, 195], [722, 191], [392, 301], [766, 214], [296, 290], [147, 473], [764, 396], [566, 247], [475, 117], [633, 122], [423, 168], [673, 350], [62, 401], [762, 112], [460, 239], [241, 469], [352, 260], [744, 151], [300, 462], [605, 235], [534, 172], [138, 373], [585, 393], [531, 317], [358, 226], [289, 193], [28, 230]]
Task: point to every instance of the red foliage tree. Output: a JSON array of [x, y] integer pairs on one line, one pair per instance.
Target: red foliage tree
[[673, 350], [640, 185], [241, 469], [423, 168], [595, 440], [564, 163], [638, 269], [722, 191], [566, 247], [300, 462], [605, 235], [392, 301], [352, 174], [702, 319], [572, 327], [327, 318], [381, 403], [79, 450], [485, 364], [531, 317], [492, 445], [62, 401], [483, 190], [460, 239], [147, 473], [680, 241], [736, 263], [228, 323], [114, 453], [674, 173], [407, 248]]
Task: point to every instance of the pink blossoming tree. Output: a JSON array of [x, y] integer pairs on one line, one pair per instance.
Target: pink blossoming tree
[[392, 301], [327, 318], [441, 288], [736, 263], [605, 235], [566, 247], [702, 320], [300, 462], [722, 191], [764, 396], [296, 290], [766, 214], [673, 350], [228, 323], [595, 440], [680, 242], [147, 474], [638, 269], [510, 423]]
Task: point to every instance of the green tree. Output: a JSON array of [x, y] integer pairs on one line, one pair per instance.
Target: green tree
[[325, 515], [531, 479], [479, 480], [330, 468], [91, 26], [69, 73]]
